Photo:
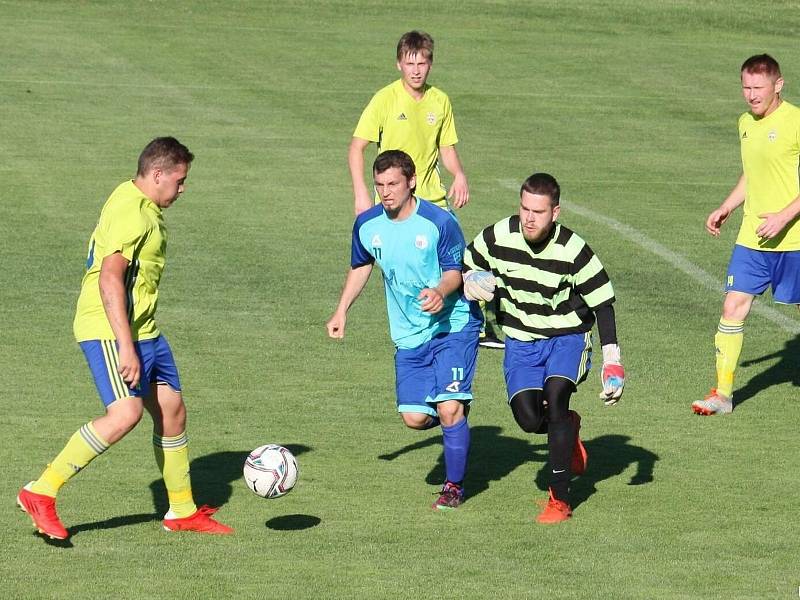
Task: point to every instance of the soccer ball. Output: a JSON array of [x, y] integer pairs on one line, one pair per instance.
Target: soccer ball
[[270, 471]]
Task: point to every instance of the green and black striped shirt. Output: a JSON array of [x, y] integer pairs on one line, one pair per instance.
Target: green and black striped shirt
[[546, 290]]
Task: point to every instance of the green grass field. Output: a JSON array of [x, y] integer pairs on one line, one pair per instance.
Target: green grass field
[[632, 105]]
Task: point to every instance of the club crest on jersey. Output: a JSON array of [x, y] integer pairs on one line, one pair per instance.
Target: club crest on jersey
[[431, 118], [421, 242], [772, 135]]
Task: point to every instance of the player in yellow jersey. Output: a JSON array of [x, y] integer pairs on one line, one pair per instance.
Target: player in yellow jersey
[[417, 118], [131, 362], [767, 250]]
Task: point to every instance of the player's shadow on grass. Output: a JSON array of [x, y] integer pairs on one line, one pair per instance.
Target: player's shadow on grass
[[609, 456], [786, 370], [492, 456], [212, 478], [67, 543], [115, 522]]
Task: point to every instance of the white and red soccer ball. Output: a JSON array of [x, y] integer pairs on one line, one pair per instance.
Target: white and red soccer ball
[[270, 471]]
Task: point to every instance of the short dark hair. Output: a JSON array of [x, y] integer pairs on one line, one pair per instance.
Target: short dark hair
[[762, 63], [394, 158], [415, 42], [165, 153], [542, 184]]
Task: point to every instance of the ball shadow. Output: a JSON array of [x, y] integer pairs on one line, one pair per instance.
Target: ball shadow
[[293, 522]]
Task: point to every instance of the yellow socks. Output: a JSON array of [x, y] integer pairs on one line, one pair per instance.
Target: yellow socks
[[82, 448], [728, 342], [172, 456]]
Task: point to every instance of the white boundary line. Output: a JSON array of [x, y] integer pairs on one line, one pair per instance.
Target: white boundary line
[[676, 260]]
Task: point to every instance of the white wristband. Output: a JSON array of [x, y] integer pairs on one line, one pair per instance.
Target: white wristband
[[611, 354]]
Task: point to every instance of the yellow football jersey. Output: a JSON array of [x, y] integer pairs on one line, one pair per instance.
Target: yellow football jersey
[[133, 225], [770, 159], [396, 121]]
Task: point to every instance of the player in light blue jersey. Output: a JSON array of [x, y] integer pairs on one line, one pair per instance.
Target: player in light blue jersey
[[419, 248]]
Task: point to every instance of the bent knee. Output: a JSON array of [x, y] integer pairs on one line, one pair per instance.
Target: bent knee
[[531, 425], [174, 420], [416, 420], [125, 413], [450, 412], [736, 306]]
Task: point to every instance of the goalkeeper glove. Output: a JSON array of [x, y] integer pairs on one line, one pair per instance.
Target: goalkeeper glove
[[479, 285], [612, 375]]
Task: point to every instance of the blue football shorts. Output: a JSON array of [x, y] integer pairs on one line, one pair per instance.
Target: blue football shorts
[[527, 365], [752, 271], [439, 370], [157, 367]]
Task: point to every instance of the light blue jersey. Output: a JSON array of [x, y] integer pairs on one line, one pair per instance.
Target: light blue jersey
[[413, 254]]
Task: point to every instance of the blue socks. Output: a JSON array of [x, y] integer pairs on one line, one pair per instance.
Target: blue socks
[[456, 448]]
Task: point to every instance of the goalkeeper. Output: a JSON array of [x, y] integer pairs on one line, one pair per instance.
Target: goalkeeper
[[551, 287]]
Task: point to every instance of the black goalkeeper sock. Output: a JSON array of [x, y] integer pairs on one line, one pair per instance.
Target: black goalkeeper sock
[[560, 440]]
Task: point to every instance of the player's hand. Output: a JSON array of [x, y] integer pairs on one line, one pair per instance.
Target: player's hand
[[612, 375], [772, 225], [431, 300], [715, 221], [335, 326], [459, 191], [129, 366], [479, 285]]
